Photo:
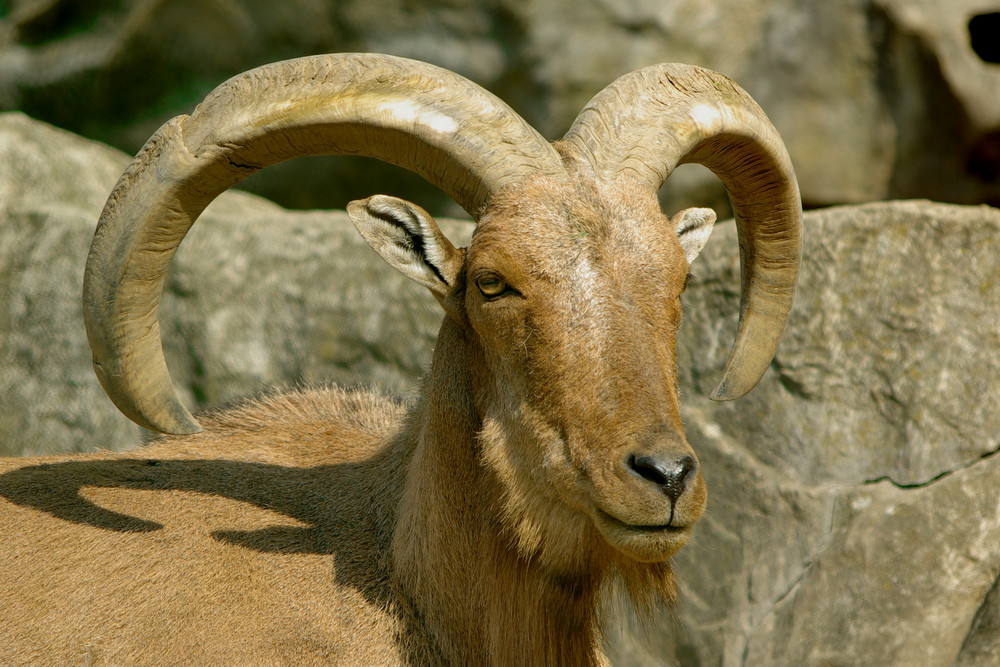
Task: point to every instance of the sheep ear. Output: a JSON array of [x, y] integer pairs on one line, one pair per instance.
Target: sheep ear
[[694, 226], [407, 237]]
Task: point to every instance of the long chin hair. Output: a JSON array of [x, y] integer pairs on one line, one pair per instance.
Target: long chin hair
[[576, 550], [570, 550], [610, 593], [634, 597], [567, 545], [647, 586]]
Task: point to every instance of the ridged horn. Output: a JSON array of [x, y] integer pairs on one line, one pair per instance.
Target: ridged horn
[[648, 122], [434, 122]]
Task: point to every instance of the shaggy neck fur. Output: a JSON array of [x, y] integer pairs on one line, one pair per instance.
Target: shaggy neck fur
[[476, 597]]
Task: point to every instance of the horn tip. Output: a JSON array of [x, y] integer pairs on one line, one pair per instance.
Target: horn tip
[[734, 385], [164, 415], [723, 392], [189, 427]]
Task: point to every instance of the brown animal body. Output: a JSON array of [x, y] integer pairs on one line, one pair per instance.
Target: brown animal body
[[545, 460]]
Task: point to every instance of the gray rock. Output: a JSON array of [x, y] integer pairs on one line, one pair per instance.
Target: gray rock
[[982, 645], [876, 99], [900, 580], [889, 355], [853, 515], [51, 187]]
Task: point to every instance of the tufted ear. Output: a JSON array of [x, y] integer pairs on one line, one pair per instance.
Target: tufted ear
[[694, 226], [407, 237]]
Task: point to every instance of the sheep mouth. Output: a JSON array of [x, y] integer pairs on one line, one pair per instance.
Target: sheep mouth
[[618, 524], [644, 542]]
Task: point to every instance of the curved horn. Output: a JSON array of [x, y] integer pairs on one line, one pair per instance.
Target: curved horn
[[426, 119], [648, 122]]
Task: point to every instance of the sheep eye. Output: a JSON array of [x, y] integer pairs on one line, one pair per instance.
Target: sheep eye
[[490, 284]]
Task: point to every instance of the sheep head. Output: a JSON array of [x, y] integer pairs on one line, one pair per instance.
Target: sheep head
[[567, 300]]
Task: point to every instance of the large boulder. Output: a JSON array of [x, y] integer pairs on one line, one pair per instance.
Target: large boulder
[[51, 187], [876, 98], [853, 511]]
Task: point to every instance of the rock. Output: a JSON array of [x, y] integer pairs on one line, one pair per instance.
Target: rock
[[900, 580], [982, 646], [876, 99], [853, 516], [961, 34], [889, 352], [51, 187]]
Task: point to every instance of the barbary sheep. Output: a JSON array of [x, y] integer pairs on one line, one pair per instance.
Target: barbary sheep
[[544, 461]]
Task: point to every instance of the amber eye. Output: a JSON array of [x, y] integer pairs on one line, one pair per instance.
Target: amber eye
[[490, 284]]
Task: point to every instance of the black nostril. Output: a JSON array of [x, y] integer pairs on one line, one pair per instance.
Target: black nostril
[[669, 474], [648, 468]]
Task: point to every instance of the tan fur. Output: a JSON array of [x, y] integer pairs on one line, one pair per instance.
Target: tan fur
[[478, 526]]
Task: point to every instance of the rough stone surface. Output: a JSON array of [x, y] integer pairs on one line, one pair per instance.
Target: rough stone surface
[[889, 353], [51, 188], [853, 516], [876, 99], [853, 511]]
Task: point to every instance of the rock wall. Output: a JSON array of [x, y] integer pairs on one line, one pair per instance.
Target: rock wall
[[876, 99], [853, 515], [853, 511]]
